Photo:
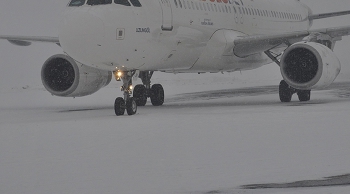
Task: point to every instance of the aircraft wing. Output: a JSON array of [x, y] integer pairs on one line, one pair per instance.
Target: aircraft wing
[[328, 15], [248, 45], [27, 40]]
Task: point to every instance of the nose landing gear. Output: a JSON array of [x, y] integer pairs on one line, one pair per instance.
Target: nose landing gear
[[127, 103]]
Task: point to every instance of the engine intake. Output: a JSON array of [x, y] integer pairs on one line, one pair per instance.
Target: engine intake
[[309, 65], [62, 76]]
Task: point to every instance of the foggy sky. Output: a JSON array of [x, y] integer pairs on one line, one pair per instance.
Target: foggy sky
[[41, 18]]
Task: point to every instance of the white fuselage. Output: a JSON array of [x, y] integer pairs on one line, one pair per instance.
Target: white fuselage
[[174, 35]]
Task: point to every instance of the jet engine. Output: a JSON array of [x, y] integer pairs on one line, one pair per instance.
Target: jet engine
[[309, 65], [63, 76]]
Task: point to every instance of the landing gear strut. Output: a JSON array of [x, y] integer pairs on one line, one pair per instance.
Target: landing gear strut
[[127, 103], [145, 90], [286, 92]]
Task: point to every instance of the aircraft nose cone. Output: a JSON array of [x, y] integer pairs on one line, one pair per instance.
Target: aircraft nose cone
[[81, 35]]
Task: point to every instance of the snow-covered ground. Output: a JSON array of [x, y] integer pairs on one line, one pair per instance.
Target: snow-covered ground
[[214, 134]]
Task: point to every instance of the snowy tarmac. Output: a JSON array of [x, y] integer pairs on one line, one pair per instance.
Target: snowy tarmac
[[229, 140]]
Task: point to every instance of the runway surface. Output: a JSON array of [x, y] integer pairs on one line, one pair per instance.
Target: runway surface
[[230, 140]]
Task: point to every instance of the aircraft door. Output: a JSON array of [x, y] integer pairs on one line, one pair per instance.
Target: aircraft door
[[167, 20]]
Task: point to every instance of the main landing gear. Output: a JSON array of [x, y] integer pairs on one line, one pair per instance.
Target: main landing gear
[[140, 94], [286, 92], [144, 91]]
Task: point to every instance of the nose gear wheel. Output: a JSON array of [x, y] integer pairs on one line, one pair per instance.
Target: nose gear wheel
[[127, 103]]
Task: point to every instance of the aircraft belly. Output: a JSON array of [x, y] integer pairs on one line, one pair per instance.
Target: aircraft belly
[[232, 63]]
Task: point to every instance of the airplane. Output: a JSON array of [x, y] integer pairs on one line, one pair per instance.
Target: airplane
[[124, 39]]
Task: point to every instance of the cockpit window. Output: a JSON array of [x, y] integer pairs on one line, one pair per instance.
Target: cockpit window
[[122, 2], [136, 3], [99, 2], [76, 3]]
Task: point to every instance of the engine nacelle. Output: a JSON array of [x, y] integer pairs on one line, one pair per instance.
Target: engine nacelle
[[62, 76], [309, 65]]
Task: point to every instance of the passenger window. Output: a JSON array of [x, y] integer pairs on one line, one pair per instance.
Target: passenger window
[[99, 2], [196, 5], [76, 3], [136, 3], [192, 5], [122, 2]]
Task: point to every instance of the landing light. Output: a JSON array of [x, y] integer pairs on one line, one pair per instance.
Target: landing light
[[118, 75]]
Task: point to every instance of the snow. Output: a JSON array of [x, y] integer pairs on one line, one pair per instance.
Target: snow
[[214, 134], [197, 142]]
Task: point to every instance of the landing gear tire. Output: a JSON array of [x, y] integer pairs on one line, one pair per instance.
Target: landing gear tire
[[131, 106], [285, 92], [157, 95], [304, 95], [140, 95], [119, 106]]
